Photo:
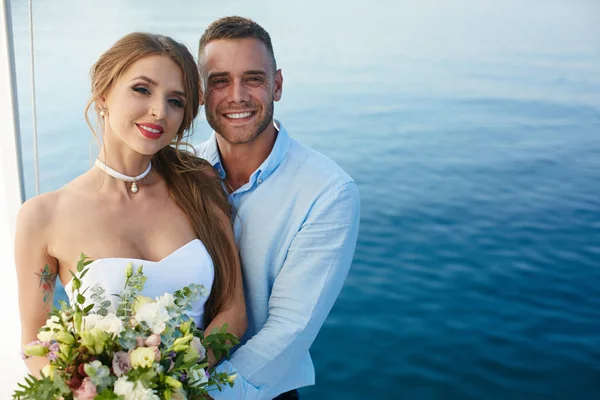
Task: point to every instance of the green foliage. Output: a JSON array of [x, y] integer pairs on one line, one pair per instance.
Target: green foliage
[[37, 389]]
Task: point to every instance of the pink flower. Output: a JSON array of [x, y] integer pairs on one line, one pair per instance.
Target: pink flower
[[121, 363], [87, 390], [156, 353], [153, 340], [140, 341]]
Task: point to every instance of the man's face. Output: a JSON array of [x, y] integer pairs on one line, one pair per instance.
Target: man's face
[[239, 88]]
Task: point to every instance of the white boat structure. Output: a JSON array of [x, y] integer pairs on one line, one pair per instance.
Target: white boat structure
[[12, 368]]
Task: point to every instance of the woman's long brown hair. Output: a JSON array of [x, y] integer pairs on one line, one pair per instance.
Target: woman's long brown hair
[[194, 190]]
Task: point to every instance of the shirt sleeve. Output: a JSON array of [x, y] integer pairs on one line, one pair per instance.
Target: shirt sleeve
[[303, 293]]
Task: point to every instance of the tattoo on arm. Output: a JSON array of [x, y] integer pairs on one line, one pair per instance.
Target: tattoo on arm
[[47, 282]]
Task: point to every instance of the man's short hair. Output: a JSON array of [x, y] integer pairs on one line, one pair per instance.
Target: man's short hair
[[235, 28]]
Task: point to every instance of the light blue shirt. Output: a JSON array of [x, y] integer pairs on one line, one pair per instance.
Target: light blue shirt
[[296, 225]]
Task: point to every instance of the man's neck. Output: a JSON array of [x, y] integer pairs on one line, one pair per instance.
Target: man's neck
[[241, 160]]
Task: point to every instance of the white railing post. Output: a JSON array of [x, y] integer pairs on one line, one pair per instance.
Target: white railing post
[[12, 368]]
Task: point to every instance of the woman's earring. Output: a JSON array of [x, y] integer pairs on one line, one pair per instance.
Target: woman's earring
[[103, 112]]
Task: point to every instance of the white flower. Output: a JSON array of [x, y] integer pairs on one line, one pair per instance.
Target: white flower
[[123, 386], [45, 336], [90, 321], [154, 315], [141, 393], [53, 323], [198, 376], [110, 324], [197, 344], [133, 391], [166, 300], [140, 301]]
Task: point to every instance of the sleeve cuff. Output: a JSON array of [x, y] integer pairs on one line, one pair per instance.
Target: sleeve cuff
[[241, 388]]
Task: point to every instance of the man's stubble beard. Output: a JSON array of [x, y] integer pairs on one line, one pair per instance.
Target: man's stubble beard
[[235, 139]]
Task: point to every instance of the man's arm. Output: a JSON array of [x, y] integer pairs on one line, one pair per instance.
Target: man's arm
[[303, 293]]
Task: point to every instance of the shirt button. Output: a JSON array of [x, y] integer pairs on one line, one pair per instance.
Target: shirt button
[[260, 181]]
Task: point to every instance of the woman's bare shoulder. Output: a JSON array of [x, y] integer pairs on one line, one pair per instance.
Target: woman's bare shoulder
[[39, 209], [42, 209]]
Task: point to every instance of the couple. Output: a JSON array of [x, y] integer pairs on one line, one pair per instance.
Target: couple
[[269, 225]]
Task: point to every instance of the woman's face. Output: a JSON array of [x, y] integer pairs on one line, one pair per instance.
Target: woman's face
[[145, 106]]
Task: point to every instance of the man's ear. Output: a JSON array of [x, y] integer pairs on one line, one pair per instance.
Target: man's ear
[[201, 85], [201, 94], [278, 89]]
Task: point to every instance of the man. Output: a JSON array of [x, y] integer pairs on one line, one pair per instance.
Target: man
[[296, 212]]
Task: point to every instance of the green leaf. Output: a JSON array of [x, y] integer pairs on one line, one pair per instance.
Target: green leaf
[[83, 273], [88, 309], [108, 395], [76, 284], [80, 298], [63, 305], [37, 389]]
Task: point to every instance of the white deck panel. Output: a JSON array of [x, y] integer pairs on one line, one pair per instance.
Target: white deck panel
[[12, 368]]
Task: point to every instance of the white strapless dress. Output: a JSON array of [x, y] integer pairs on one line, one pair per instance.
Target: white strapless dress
[[190, 263]]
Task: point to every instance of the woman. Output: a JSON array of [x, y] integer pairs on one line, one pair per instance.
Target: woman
[[144, 201]]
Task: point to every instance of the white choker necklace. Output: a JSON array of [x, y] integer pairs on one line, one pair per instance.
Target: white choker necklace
[[122, 177]]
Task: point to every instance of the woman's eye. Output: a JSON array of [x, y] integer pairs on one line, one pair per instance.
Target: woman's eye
[[141, 90], [176, 102]]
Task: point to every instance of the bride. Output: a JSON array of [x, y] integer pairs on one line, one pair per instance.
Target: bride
[[144, 201]]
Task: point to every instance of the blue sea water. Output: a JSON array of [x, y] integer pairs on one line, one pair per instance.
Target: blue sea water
[[473, 131]]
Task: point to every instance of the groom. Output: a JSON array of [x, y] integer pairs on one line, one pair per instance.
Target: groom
[[296, 212]]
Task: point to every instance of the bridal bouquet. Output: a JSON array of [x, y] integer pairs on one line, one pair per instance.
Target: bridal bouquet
[[147, 350]]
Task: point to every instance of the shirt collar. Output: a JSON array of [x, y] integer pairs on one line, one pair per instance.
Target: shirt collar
[[278, 153], [212, 155]]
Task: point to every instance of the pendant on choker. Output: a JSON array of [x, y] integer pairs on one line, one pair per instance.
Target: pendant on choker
[[122, 177]]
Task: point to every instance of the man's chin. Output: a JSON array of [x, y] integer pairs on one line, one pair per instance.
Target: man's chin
[[237, 139], [238, 134]]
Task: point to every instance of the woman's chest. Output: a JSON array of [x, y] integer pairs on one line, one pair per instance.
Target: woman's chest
[[148, 231]]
